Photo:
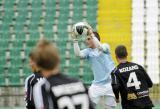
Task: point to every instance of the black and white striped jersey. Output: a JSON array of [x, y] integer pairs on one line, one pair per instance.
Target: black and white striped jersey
[[29, 83], [61, 92]]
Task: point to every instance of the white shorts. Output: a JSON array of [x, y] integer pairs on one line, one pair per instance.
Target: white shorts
[[96, 92]]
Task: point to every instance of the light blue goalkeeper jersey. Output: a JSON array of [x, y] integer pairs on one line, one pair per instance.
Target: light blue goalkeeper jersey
[[101, 64]]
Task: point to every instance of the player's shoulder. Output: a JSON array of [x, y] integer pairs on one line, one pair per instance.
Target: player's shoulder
[[40, 83], [30, 77], [37, 89], [28, 80], [61, 82], [132, 63], [114, 70], [38, 75], [87, 49], [61, 79], [135, 64], [33, 78], [106, 45], [69, 78]]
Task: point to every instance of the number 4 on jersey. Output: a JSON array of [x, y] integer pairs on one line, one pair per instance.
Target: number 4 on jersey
[[133, 81]]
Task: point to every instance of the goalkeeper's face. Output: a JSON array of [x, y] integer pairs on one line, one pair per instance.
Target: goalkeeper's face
[[90, 42]]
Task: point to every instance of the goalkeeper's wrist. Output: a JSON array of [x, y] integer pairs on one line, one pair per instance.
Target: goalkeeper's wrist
[[75, 40]]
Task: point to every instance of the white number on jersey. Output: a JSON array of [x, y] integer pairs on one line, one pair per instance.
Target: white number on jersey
[[71, 102], [133, 81]]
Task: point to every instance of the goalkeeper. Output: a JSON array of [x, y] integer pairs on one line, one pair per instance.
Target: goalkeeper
[[101, 64]]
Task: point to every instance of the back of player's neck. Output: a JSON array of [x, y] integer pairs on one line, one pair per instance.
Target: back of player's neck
[[121, 61], [55, 71], [49, 73]]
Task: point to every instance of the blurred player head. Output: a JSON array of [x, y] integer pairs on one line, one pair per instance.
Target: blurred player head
[[46, 58], [32, 63], [90, 42], [121, 53]]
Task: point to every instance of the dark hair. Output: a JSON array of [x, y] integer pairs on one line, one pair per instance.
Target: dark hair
[[46, 55], [121, 51], [97, 35]]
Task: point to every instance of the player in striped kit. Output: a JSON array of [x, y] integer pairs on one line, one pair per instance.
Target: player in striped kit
[[30, 81], [101, 64], [57, 91]]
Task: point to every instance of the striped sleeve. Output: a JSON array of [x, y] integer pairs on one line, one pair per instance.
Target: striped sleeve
[[28, 90], [38, 94], [26, 81]]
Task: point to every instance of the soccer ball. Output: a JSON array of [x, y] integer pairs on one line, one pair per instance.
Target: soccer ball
[[80, 29]]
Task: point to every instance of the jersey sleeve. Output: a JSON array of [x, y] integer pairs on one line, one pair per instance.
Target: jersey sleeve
[[115, 84], [105, 48], [39, 95], [146, 76], [81, 53], [84, 53], [26, 97], [28, 93]]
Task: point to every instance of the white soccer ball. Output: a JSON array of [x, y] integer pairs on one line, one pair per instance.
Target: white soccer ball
[[80, 29]]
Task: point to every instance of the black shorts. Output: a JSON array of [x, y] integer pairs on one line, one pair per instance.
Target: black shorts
[[131, 107], [138, 104]]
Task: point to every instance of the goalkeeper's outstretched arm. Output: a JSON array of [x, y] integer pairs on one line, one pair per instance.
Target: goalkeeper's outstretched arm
[[78, 52], [84, 53]]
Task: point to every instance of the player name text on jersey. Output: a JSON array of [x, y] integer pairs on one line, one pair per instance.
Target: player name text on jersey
[[68, 89], [130, 68]]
